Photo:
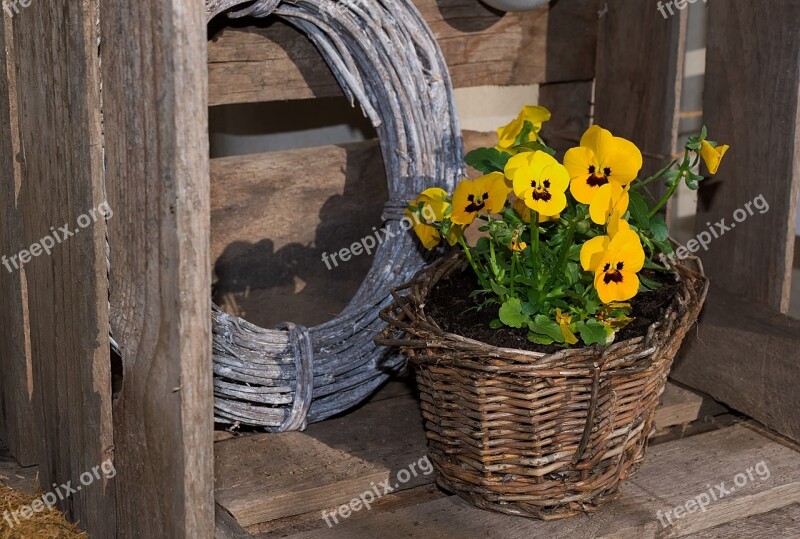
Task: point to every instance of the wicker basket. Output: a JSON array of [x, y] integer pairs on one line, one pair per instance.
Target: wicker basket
[[525, 433]]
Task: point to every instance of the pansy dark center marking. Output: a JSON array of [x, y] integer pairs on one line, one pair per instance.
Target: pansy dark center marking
[[475, 206], [612, 275], [541, 192], [607, 171], [596, 181]]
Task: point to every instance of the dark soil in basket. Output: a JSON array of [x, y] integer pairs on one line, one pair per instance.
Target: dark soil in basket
[[449, 302]]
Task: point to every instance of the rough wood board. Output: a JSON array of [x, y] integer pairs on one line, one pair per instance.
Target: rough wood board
[[781, 523], [678, 406], [225, 526], [256, 61], [571, 106], [672, 474], [17, 391], [61, 167], [155, 117], [745, 356], [639, 74], [15, 476], [759, 76], [273, 216], [269, 476]]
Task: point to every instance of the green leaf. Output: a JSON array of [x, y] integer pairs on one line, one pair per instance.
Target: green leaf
[[542, 325], [499, 289], [511, 313], [487, 160], [573, 273], [639, 210], [534, 146], [648, 284], [592, 332], [496, 324], [539, 339], [524, 133], [658, 226]]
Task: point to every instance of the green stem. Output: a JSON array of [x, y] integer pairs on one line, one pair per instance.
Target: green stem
[[562, 256], [535, 254], [468, 253], [513, 273], [654, 177], [682, 171]]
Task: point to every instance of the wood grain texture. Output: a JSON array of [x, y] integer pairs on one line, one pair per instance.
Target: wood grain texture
[[571, 106], [269, 476], [263, 478], [252, 61], [672, 474], [746, 356], [17, 391], [781, 523], [272, 220], [226, 526], [760, 74], [24, 479], [639, 74], [155, 114], [61, 167]]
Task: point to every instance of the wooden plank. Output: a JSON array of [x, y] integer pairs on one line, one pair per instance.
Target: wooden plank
[[778, 524], [268, 265], [61, 166], [270, 476], [745, 356], [760, 77], [226, 526], [255, 61], [262, 478], [23, 479], [571, 106], [155, 117], [17, 391], [673, 474], [636, 97], [677, 406]]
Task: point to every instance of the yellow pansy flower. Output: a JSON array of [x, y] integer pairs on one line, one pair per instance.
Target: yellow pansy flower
[[609, 199], [507, 135], [602, 159], [615, 262], [486, 194], [516, 245], [712, 155], [525, 212], [540, 181], [434, 206], [563, 322]]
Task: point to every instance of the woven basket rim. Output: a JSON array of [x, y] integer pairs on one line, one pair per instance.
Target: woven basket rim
[[689, 272]]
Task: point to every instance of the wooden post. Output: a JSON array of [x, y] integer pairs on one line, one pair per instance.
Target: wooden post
[[17, 391], [751, 101], [639, 73], [60, 179], [746, 353], [155, 114]]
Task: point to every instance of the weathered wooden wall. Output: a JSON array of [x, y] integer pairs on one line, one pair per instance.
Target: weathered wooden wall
[[747, 352], [56, 145], [155, 88]]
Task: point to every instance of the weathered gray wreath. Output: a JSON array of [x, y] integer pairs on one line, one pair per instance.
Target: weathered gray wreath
[[385, 57]]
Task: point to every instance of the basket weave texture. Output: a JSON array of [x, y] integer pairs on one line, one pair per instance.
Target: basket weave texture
[[540, 435]]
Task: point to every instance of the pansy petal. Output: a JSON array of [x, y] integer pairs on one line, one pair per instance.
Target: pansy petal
[[535, 114], [592, 252], [460, 215], [608, 199], [624, 160], [558, 176], [712, 156], [521, 160], [616, 224], [554, 206], [495, 186], [578, 161], [599, 140]]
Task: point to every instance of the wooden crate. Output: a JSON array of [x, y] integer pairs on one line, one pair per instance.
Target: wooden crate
[[139, 140]]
